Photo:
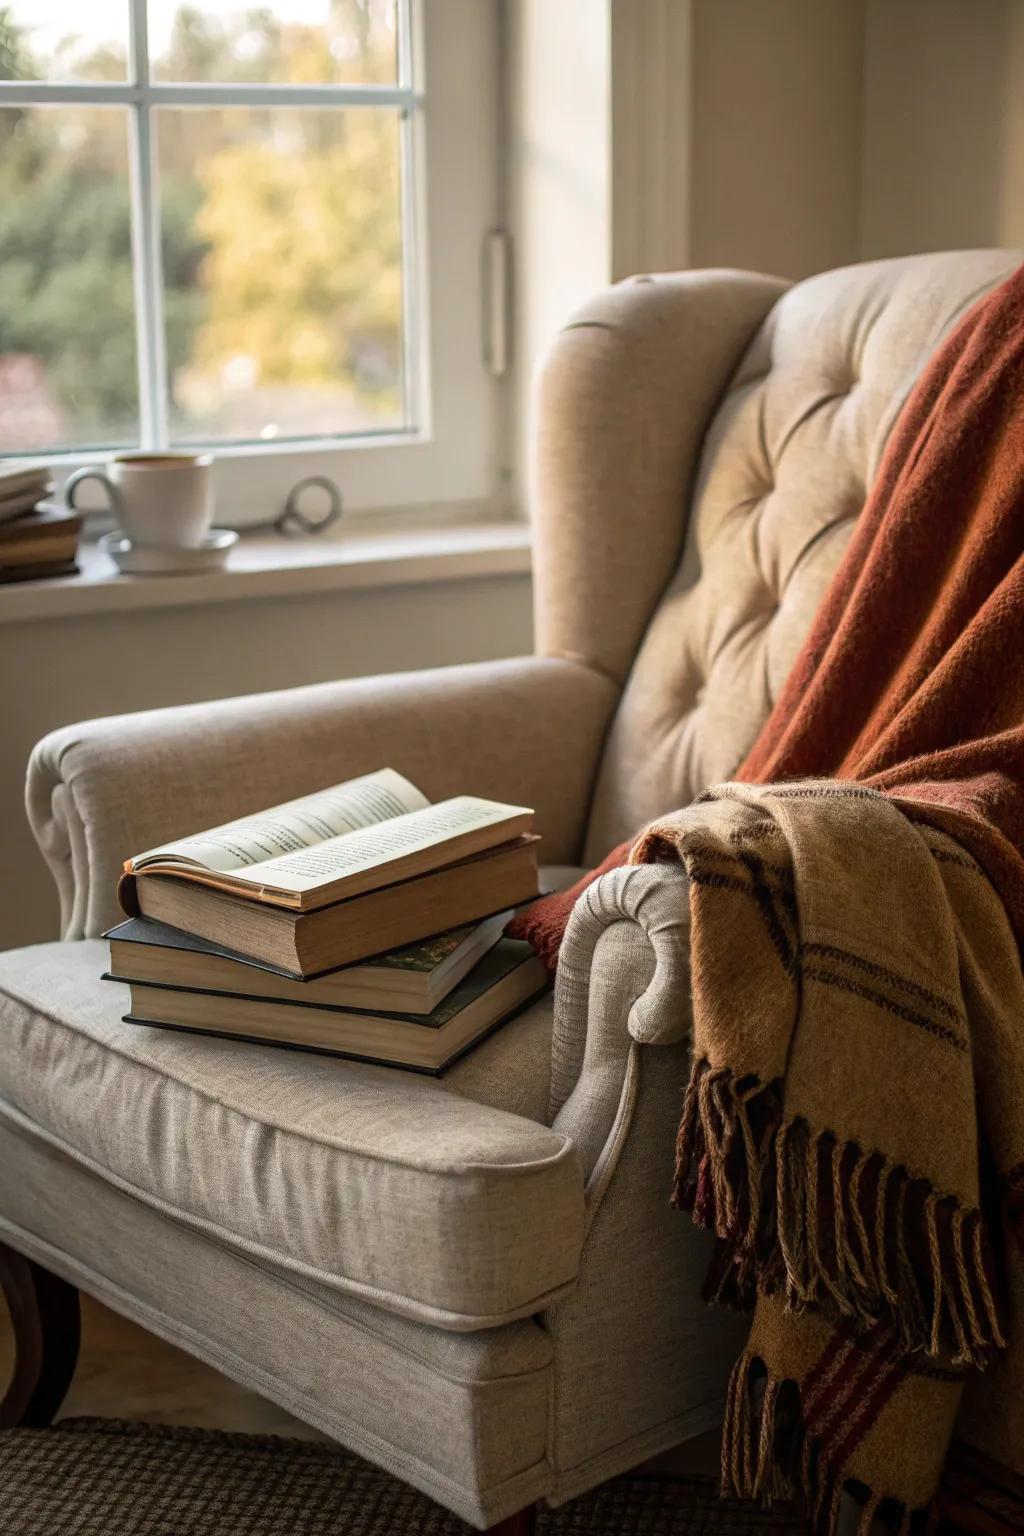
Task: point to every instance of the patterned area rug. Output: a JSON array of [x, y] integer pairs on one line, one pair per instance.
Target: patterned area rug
[[100, 1477]]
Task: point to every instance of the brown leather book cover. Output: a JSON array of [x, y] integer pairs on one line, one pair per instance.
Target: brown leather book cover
[[41, 523], [37, 572]]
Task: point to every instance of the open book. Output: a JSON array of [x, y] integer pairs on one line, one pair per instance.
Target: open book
[[355, 837]]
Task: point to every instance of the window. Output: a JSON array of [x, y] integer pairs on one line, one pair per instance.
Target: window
[[214, 231]]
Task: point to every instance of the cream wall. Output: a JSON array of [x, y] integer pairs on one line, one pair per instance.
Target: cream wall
[[786, 135], [558, 175], [776, 92], [783, 135], [661, 134], [651, 132], [71, 669], [828, 131], [943, 131]]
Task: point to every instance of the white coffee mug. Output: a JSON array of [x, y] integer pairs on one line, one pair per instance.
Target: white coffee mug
[[161, 500]]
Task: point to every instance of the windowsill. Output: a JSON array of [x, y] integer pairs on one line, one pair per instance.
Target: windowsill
[[264, 564]]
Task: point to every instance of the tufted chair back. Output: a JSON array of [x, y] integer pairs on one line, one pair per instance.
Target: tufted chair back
[[705, 443]]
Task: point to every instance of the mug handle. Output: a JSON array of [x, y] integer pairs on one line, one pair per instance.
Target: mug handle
[[80, 476]]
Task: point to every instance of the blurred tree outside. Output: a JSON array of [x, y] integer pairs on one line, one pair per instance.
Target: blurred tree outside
[[281, 237]]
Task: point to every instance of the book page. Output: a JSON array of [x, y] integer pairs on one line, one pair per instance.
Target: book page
[[354, 852], [290, 828]]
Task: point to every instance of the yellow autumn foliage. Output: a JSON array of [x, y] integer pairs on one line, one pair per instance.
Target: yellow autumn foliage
[[301, 220]]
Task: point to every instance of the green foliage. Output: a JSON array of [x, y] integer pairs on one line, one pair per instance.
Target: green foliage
[[9, 49], [67, 291], [280, 231]]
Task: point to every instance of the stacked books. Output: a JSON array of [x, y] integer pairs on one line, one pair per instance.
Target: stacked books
[[361, 921], [35, 540]]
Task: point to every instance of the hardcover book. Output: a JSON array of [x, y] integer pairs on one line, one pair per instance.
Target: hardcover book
[[413, 979], [40, 537], [509, 976], [348, 872], [22, 487], [38, 570]]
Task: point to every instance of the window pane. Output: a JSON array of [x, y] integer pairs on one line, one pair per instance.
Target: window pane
[[63, 40], [282, 271], [294, 42], [67, 328]]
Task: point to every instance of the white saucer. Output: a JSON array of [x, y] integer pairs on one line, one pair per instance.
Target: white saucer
[[149, 560]]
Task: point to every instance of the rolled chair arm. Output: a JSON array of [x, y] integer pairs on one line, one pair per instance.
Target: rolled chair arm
[[526, 731], [623, 980], [634, 1320]]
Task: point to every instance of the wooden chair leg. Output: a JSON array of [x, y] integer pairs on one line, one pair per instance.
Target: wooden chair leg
[[47, 1328], [521, 1524]]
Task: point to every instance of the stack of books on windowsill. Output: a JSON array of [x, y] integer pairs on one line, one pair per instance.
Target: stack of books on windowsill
[[35, 540], [360, 921]]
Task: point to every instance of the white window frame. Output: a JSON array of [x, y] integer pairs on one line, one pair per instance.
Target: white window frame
[[448, 458]]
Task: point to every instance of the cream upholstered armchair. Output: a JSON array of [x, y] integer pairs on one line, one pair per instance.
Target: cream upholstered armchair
[[475, 1282]]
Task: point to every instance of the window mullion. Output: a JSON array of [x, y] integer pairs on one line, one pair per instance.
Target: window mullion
[[414, 320], [149, 315]]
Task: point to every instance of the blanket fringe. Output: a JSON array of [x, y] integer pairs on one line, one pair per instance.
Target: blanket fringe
[[828, 1224], [768, 1456]]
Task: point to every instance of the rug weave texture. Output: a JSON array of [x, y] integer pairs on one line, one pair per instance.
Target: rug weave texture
[[102, 1477]]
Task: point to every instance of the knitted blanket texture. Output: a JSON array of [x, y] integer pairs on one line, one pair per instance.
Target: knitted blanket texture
[[853, 1129]]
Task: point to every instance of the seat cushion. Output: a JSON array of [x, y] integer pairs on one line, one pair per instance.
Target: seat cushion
[[440, 1199]]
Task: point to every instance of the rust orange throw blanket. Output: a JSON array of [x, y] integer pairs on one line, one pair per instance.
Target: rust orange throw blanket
[[911, 678], [856, 987]]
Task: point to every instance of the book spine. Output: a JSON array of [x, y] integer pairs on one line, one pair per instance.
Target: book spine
[[128, 896]]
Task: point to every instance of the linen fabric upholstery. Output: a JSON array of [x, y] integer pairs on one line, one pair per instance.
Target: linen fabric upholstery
[[388, 1185], [782, 476], [526, 731], [638, 906], [521, 1414], [634, 1376], [624, 400], [660, 432], [463, 1416]]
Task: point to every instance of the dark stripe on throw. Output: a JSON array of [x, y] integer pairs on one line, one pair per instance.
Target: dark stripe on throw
[[853, 1382], [882, 973], [761, 895], [782, 872], [765, 894], [840, 1343], [848, 1340], [872, 1401], [701, 875], [869, 995]]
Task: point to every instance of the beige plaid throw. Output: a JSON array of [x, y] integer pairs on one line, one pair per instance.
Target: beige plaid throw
[[858, 1037]]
